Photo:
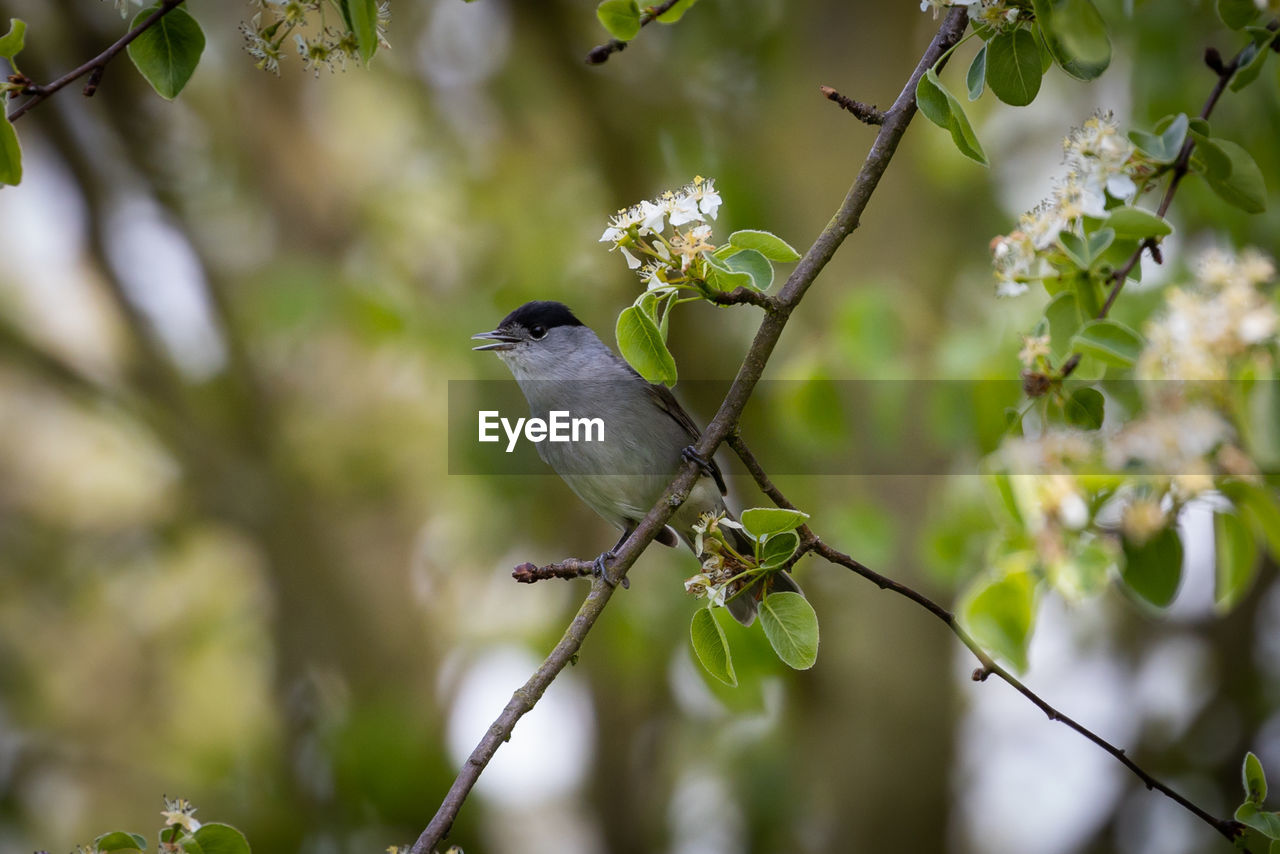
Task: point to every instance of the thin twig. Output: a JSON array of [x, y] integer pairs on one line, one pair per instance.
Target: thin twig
[[1181, 167], [600, 54], [866, 113], [1227, 827], [528, 573], [809, 542], [726, 418], [93, 67], [742, 295]]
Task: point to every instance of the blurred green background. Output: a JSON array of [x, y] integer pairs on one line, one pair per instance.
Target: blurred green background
[[234, 567]]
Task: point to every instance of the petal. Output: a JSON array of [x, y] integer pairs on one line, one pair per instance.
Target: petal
[[710, 203], [1121, 186]]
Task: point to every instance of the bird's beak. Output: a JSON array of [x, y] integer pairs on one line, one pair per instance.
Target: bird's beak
[[501, 340]]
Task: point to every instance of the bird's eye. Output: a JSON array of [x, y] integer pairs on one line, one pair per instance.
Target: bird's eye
[[538, 332]]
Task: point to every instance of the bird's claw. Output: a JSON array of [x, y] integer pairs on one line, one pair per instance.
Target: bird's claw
[[690, 455], [600, 569]]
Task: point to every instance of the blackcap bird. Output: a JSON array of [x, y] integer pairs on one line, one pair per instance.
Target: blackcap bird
[[562, 366]]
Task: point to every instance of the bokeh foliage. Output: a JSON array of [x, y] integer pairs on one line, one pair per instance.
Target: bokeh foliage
[[233, 564]]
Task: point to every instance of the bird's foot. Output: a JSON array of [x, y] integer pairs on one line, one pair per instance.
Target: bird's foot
[[600, 569], [690, 455]]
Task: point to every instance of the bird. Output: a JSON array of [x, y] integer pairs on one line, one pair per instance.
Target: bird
[[560, 364]]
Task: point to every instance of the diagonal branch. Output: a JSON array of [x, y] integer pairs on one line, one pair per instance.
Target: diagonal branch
[[95, 66], [897, 118], [809, 542], [1227, 827]]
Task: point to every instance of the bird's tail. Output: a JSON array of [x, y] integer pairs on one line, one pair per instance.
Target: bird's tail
[[744, 604]]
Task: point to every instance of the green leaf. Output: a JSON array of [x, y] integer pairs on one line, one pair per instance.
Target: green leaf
[[779, 548], [723, 277], [1164, 146], [1237, 13], [1236, 559], [1243, 186], [620, 17], [676, 12], [1258, 505], [1252, 60], [1000, 615], [1013, 67], [791, 626], [118, 840], [1084, 408], [1266, 823], [12, 42], [1109, 341], [1063, 314], [168, 51], [1086, 291], [1209, 158], [1129, 223], [1275, 847], [1255, 780], [976, 77], [1046, 58], [760, 522], [1153, 569], [1260, 421], [769, 245], [10, 153], [215, 838], [755, 265], [1085, 251], [941, 107], [711, 646], [642, 346], [362, 18], [1074, 247], [1076, 35], [1084, 573], [647, 302], [1097, 242]]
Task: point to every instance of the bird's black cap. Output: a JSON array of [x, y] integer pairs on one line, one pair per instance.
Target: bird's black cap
[[545, 313]]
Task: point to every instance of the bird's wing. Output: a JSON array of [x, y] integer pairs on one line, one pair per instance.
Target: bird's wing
[[667, 403]]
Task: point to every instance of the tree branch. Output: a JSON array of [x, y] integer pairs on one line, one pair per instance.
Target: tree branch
[[600, 54], [811, 543], [1227, 827], [844, 222], [93, 67]]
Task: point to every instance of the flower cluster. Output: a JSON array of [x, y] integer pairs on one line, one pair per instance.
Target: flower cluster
[[1208, 325], [1074, 491], [179, 812], [328, 46], [1177, 449], [1182, 443], [997, 14], [1100, 163], [720, 563], [665, 261]]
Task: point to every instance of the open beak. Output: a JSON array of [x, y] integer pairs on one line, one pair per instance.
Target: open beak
[[501, 340]]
